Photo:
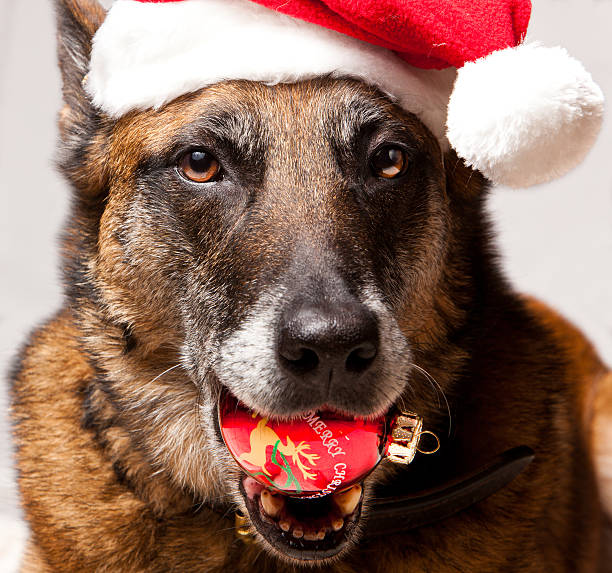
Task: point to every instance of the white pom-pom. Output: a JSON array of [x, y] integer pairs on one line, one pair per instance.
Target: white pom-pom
[[524, 115]]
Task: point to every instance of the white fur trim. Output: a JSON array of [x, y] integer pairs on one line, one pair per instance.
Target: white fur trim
[[146, 54], [524, 115]]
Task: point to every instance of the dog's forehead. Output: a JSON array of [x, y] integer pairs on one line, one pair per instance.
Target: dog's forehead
[[244, 110]]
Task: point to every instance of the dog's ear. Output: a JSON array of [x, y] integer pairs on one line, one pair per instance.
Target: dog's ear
[[79, 121], [77, 22]]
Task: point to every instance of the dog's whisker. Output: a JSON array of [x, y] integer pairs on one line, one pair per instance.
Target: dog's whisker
[[225, 529], [439, 390], [212, 499], [199, 506], [165, 372], [402, 404], [157, 472]]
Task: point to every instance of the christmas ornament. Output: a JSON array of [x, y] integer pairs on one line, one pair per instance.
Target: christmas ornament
[[317, 453]]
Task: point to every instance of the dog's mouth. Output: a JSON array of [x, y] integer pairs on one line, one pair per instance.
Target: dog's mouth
[[302, 481], [303, 529]]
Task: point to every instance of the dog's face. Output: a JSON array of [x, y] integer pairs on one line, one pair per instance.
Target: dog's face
[[291, 246], [287, 229], [287, 239]]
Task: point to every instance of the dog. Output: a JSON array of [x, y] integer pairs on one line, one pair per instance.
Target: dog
[[296, 246]]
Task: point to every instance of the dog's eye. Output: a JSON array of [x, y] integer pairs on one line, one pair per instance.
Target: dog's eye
[[389, 162], [199, 166]]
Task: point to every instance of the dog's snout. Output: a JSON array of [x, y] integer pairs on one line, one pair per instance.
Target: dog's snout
[[318, 341]]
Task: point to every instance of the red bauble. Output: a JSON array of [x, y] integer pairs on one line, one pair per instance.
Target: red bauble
[[314, 455]]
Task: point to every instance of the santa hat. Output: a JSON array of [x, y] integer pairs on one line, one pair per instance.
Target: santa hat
[[521, 114]]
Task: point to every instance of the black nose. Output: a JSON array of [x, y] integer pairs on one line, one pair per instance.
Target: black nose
[[324, 340]]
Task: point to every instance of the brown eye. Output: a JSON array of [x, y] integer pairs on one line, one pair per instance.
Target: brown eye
[[199, 166], [389, 162]]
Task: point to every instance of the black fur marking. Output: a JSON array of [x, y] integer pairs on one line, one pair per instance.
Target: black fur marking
[[121, 474], [130, 340]]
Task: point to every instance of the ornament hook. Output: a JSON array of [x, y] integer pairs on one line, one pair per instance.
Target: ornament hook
[[406, 433]]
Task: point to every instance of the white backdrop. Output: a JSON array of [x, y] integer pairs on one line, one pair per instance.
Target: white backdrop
[[556, 240]]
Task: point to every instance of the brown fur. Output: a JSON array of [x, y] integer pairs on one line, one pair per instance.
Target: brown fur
[[115, 471]]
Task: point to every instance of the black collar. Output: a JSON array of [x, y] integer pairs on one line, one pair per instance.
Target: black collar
[[401, 513]]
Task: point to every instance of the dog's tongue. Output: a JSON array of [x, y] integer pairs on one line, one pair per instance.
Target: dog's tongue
[[315, 455]]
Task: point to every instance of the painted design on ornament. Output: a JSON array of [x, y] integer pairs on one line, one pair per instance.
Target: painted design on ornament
[[263, 436]]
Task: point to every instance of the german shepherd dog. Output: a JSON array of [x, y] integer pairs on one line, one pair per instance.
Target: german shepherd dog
[[298, 246]]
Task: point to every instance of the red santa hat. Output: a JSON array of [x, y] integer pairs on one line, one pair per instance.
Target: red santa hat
[[521, 114]]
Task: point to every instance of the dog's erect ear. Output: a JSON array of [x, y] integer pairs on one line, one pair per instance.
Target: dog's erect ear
[[79, 121], [77, 22]]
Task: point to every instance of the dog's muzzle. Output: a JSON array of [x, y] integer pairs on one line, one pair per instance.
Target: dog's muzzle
[[303, 477]]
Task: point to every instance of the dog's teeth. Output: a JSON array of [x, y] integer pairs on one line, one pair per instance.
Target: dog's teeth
[[285, 525], [298, 532], [272, 504], [337, 524], [347, 500], [321, 534], [310, 536]]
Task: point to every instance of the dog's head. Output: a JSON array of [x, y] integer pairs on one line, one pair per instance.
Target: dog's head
[[298, 246]]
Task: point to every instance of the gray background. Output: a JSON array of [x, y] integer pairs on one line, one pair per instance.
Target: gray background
[[556, 240]]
